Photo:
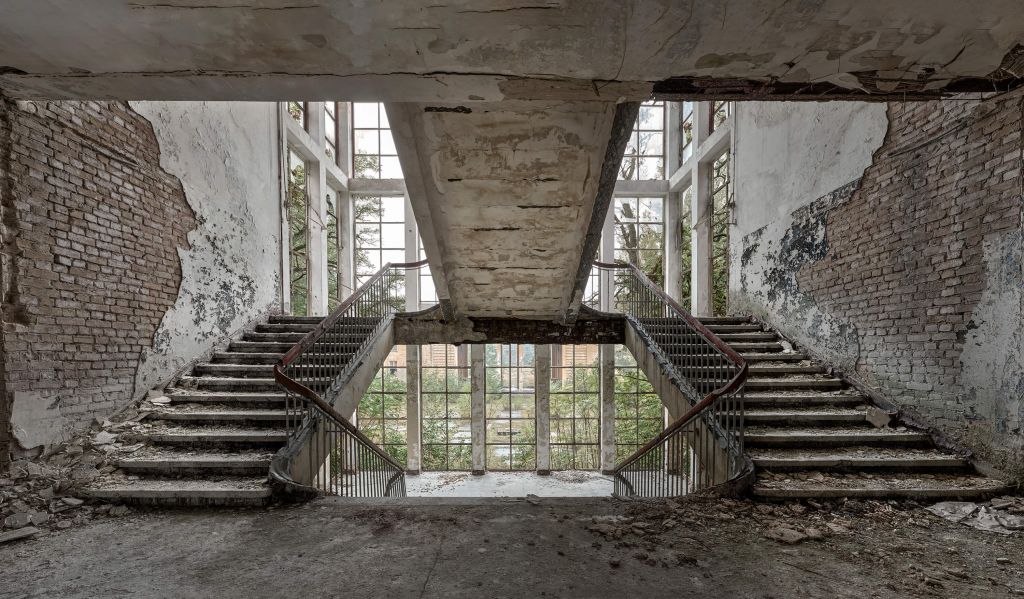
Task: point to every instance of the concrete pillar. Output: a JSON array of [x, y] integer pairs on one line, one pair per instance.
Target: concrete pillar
[[700, 218], [673, 249], [316, 186], [283, 170], [412, 277], [542, 388], [478, 407], [607, 361], [412, 409]]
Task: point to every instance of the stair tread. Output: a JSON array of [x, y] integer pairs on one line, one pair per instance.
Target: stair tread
[[850, 452], [835, 484], [226, 413], [223, 431], [773, 356], [865, 432], [247, 486], [808, 411], [168, 454]]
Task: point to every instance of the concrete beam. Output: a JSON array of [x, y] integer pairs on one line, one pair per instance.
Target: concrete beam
[[432, 328], [566, 50]]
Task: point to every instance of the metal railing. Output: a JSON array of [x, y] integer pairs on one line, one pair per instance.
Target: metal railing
[[704, 447], [325, 452]]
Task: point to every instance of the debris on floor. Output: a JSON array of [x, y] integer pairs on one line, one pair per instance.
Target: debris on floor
[[39, 495], [1002, 515]]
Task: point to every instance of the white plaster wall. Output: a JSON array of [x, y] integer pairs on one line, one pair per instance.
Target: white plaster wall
[[794, 160], [790, 153], [225, 154]]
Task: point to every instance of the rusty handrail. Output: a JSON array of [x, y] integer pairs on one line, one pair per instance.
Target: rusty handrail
[[729, 389]]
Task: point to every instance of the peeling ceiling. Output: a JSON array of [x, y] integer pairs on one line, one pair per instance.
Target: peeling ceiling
[[492, 50]]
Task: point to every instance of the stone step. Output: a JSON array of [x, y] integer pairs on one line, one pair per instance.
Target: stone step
[[793, 383], [803, 416], [286, 327], [756, 346], [209, 383], [922, 486], [260, 346], [182, 396], [784, 400], [833, 437], [751, 357], [718, 329], [287, 319], [234, 357], [156, 461], [748, 337], [762, 370], [856, 458], [216, 436], [223, 491], [291, 338], [708, 320], [223, 415], [234, 370]]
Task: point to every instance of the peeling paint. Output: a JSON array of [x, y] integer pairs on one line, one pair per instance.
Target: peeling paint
[[223, 154]]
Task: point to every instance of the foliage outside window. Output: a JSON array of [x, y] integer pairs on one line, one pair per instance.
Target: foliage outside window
[[720, 112], [511, 407], [639, 414], [331, 129], [297, 110], [685, 248], [333, 248], [446, 404], [374, 155], [685, 131], [640, 234], [644, 158], [382, 411], [379, 233], [575, 413], [721, 217], [297, 211]]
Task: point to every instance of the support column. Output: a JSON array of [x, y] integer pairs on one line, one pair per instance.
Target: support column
[[412, 277], [607, 360], [700, 218], [316, 187], [542, 388], [673, 249], [478, 407], [412, 409]]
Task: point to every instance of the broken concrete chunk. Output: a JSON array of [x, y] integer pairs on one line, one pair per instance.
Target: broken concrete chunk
[[18, 520], [72, 501], [784, 534], [39, 518], [878, 417], [21, 533], [160, 401], [103, 438]]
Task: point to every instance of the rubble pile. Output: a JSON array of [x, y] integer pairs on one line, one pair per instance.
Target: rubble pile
[[40, 495]]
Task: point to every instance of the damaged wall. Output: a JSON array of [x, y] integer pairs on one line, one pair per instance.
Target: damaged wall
[[111, 264], [908, 276]]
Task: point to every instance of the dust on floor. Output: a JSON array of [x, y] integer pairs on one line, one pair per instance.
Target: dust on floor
[[479, 548]]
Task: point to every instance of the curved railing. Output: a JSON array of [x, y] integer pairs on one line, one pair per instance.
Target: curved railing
[[325, 452], [704, 447]]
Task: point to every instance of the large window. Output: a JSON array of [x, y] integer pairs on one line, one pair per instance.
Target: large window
[[511, 407], [297, 110], [297, 210], [685, 131], [382, 412], [445, 393], [575, 408], [720, 112], [428, 292], [639, 415], [640, 234], [380, 233], [644, 158], [374, 155]]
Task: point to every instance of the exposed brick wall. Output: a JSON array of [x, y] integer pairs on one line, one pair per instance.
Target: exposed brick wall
[[910, 256], [91, 232]]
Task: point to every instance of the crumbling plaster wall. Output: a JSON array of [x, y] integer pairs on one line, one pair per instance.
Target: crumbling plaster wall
[[226, 156], [134, 237], [899, 260]]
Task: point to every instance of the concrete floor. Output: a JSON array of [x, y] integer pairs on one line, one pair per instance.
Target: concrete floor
[[484, 548], [575, 483]]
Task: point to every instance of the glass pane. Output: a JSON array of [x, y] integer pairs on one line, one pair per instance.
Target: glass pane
[[499, 431], [392, 236], [367, 142], [652, 117], [561, 406], [387, 143], [394, 405], [393, 210], [497, 405], [651, 209], [498, 457], [432, 379], [652, 144], [587, 431], [364, 114], [367, 236], [626, 209], [390, 168], [650, 168], [393, 256], [460, 431], [459, 405], [433, 405]]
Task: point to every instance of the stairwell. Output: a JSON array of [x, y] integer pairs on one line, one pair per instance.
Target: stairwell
[[809, 434], [213, 443]]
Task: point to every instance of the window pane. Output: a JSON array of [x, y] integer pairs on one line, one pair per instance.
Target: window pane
[[364, 115]]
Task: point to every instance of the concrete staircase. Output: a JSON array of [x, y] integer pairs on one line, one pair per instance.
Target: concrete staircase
[[212, 444], [809, 435]]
